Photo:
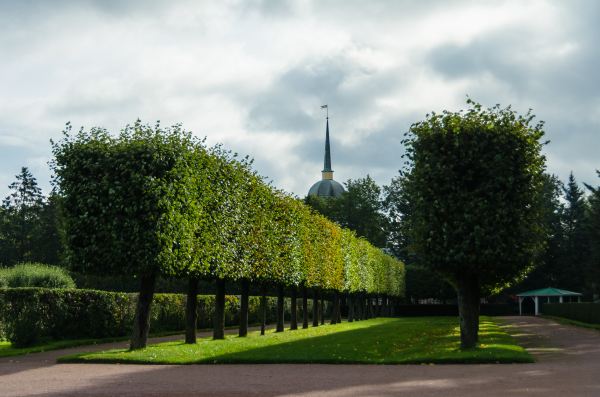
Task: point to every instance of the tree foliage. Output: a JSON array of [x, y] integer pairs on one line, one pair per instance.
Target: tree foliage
[[475, 189], [156, 200]]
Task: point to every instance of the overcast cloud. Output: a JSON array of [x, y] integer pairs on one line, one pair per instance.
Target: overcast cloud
[[253, 74]]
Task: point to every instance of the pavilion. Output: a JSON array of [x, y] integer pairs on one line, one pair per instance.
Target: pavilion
[[545, 293]]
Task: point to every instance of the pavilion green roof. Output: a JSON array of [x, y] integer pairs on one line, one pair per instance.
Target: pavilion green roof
[[549, 292]]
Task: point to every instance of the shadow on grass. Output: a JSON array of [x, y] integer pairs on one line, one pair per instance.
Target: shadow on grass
[[393, 341]]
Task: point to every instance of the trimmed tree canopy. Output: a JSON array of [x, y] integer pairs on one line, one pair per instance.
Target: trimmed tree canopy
[[156, 200]]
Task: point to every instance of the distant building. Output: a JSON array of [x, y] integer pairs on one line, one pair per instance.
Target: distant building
[[327, 187]]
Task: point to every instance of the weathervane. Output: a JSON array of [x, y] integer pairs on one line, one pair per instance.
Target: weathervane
[[326, 108]]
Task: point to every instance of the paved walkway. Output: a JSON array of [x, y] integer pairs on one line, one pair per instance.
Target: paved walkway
[[568, 365]]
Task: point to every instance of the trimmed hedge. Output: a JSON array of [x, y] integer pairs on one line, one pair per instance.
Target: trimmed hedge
[[35, 275], [489, 309], [586, 312], [29, 315], [154, 201]]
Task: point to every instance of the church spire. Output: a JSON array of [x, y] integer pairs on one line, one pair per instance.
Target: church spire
[[326, 187], [327, 164], [327, 172]]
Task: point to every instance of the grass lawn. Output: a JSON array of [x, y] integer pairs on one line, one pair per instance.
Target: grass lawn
[[567, 321], [7, 350], [375, 341]]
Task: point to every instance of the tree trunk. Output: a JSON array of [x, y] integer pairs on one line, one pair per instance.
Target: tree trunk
[[293, 311], [350, 309], [141, 324], [333, 319], [374, 303], [244, 308], [304, 307], [468, 310], [219, 320], [315, 308], [280, 308], [322, 309], [339, 309], [191, 311], [263, 310]]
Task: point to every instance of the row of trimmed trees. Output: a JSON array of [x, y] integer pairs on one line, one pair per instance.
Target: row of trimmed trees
[[156, 201]]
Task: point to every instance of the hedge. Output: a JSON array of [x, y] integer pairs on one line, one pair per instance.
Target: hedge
[[487, 309], [156, 201], [31, 315], [35, 275], [585, 312]]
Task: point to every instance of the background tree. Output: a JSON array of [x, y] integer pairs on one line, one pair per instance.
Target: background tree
[[396, 205], [28, 224], [359, 209], [423, 283], [474, 184], [594, 236], [549, 271], [575, 253]]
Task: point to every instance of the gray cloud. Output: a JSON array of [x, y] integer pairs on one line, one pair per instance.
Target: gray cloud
[[555, 76], [253, 74]]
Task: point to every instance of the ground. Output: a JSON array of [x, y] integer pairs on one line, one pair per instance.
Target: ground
[[568, 364]]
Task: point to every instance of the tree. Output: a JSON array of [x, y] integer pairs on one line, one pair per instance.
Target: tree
[[549, 272], [422, 283], [474, 183], [29, 226], [358, 209], [156, 202], [594, 235], [362, 210], [575, 253], [396, 205], [128, 205]]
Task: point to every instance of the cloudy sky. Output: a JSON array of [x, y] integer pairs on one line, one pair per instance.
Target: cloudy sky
[[253, 74]]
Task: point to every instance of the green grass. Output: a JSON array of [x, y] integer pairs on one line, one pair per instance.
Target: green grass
[[376, 341], [7, 350], [566, 321]]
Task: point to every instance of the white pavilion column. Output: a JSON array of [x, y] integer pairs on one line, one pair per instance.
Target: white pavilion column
[[560, 300], [537, 305], [520, 303]]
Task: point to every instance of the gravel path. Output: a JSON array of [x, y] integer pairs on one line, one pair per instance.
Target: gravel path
[[568, 365]]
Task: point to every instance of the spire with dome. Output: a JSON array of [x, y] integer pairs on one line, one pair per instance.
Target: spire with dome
[[326, 187]]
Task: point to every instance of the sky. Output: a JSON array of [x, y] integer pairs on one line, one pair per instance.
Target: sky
[[253, 75]]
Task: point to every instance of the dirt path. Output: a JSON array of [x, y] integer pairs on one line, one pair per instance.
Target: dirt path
[[568, 364]]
